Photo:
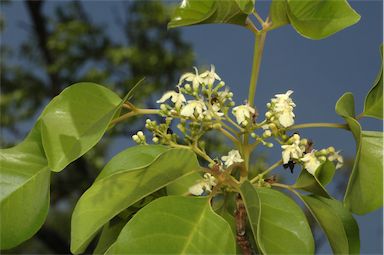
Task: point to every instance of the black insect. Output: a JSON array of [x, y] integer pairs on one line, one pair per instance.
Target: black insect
[[290, 165]]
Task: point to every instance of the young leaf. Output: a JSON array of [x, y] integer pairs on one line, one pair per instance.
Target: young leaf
[[194, 12], [338, 224], [121, 188], [74, 121], [319, 19], [365, 186], [278, 223], [373, 106], [310, 183], [176, 225], [24, 196]]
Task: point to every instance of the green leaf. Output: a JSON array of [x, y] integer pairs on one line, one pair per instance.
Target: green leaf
[[181, 186], [121, 188], [194, 12], [246, 6], [176, 225], [24, 196], [278, 223], [325, 172], [338, 224], [373, 106], [365, 186], [316, 19], [135, 157], [278, 13], [74, 121], [310, 183], [108, 235]]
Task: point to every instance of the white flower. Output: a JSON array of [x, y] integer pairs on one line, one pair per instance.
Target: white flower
[[194, 106], [233, 157], [209, 77], [196, 189], [335, 156], [242, 112], [311, 163], [214, 112], [203, 185], [283, 108], [286, 118], [292, 151], [177, 98], [195, 78]]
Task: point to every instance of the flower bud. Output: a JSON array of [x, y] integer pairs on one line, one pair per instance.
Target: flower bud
[[155, 140], [267, 133], [188, 87], [323, 152], [231, 104], [268, 115], [163, 107], [244, 123], [253, 135], [140, 134], [269, 145], [230, 95], [136, 138], [322, 158], [331, 149]]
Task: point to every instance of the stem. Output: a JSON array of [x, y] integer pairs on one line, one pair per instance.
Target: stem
[[134, 113], [361, 115], [234, 123], [320, 124], [288, 188], [272, 167], [227, 134], [202, 154], [257, 55]]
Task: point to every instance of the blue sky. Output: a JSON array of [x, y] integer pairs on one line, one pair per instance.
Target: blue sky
[[318, 72]]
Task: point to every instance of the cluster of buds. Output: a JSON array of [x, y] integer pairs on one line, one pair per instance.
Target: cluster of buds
[[139, 138]]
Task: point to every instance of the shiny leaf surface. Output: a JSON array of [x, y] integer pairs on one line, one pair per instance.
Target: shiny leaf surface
[[24, 196], [176, 225], [319, 19], [111, 194], [373, 106], [194, 12], [278, 223], [338, 224]]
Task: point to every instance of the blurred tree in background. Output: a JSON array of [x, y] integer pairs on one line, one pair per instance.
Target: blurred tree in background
[[65, 47]]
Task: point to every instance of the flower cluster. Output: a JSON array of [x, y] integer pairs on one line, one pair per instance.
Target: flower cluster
[[297, 150], [201, 102]]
